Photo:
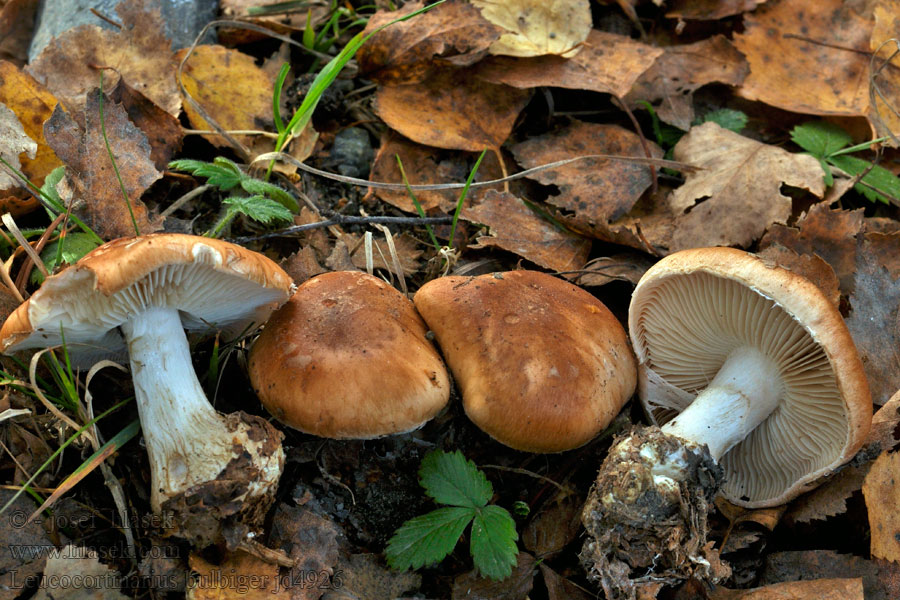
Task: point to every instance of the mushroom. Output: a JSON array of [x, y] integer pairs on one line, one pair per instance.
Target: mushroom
[[347, 358], [543, 366], [140, 294], [756, 382]]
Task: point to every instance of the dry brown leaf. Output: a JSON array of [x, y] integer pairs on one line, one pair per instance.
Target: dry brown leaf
[[311, 541], [881, 490], [163, 131], [451, 109], [240, 575], [365, 576], [91, 174], [559, 588], [33, 105], [608, 63], [820, 589], [75, 563], [424, 165], [471, 586], [596, 190], [407, 248], [881, 579], [810, 266], [874, 320], [675, 75], [13, 142], [16, 27], [16, 569], [232, 90], [139, 52], [824, 72], [404, 52], [626, 266], [554, 526], [709, 10], [736, 195], [517, 228], [884, 101], [538, 27]]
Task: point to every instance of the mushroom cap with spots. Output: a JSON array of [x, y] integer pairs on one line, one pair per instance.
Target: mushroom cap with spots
[[542, 365], [347, 357], [695, 309], [138, 295]]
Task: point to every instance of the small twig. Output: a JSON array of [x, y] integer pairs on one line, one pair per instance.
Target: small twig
[[23, 243], [342, 220], [644, 144], [518, 471], [103, 17], [184, 200]]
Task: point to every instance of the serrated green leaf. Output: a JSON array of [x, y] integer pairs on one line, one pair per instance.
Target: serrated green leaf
[[222, 176], [427, 539], [879, 178], [75, 246], [493, 544], [258, 208], [727, 118], [451, 479], [820, 138], [263, 188]]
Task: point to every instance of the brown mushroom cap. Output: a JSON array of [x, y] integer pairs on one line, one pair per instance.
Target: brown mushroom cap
[[347, 357], [543, 366], [691, 311]]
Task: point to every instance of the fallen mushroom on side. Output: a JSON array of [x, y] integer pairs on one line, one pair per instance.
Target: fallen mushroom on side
[[138, 295], [760, 392], [542, 365], [347, 358]]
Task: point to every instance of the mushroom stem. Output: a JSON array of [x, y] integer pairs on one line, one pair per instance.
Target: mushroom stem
[[742, 394], [187, 440]]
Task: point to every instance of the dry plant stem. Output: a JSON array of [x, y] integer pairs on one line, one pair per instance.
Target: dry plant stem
[[184, 200], [25, 271], [644, 145], [8, 282], [23, 243], [32, 377]]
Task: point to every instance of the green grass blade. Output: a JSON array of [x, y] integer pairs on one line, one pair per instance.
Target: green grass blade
[[415, 201], [276, 97], [462, 197]]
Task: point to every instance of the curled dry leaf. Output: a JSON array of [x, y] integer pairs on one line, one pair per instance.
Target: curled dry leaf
[[451, 109], [681, 70], [13, 142], [90, 172], [519, 229], [736, 195], [608, 63], [139, 52], [538, 27], [454, 32]]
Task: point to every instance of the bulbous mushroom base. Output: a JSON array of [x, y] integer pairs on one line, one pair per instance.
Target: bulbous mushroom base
[[232, 506], [646, 515]]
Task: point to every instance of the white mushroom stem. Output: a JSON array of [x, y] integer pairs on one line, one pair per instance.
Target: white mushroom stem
[[742, 394], [187, 440]]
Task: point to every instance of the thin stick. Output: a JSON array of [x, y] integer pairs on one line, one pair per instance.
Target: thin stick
[[342, 220]]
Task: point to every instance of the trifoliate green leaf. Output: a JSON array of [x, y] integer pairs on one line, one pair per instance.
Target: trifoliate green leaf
[[427, 539], [74, 247], [451, 479], [493, 544], [258, 208], [878, 178], [224, 176], [257, 186], [728, 118], [820, 138]]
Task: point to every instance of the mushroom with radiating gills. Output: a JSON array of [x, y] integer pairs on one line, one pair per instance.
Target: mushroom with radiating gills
[[541, 364], [760, 393], [138, 296], [347, 357]]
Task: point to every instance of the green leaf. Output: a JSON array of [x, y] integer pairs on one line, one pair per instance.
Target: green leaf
[[820, 138], [75, 246], [222, 176], [727, 118], [258, 208], [493, 544], [879, 178], [262, 188], [451, 479], [49, 188], [428, 538]]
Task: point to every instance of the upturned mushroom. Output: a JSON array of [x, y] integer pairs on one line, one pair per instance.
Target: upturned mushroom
[[542, 365], [138, 295], [759, 391], [347, 358]]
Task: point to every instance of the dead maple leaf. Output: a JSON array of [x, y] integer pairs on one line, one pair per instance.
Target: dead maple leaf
[[232, 90], [608, 63], [75, 563], [453, 32], [820, 589], [874, 321], [240, 575], [91, 174], [596, 190], [451, 109], [881, 490], [681, 70], [33, 105], [519, 229], [709, 10], [736, 195], [139, 52], [810, 61], [13, 142], [538, 27]]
